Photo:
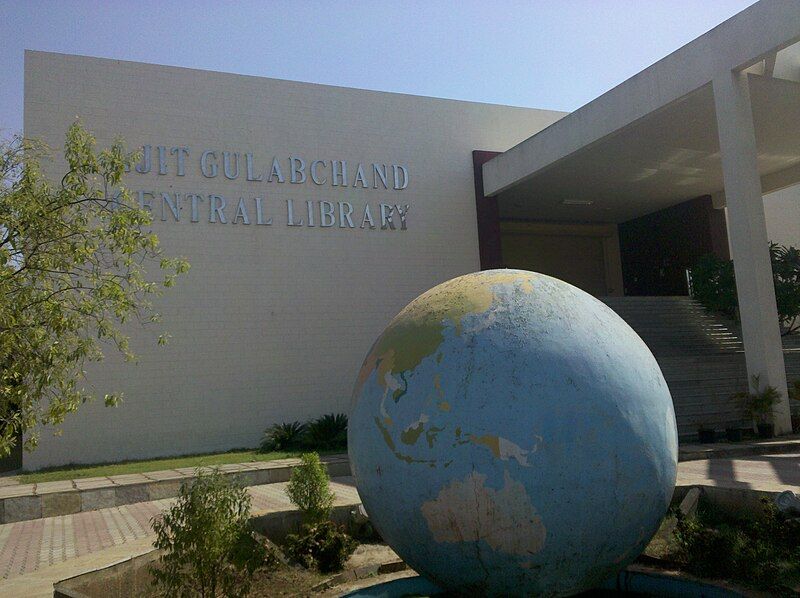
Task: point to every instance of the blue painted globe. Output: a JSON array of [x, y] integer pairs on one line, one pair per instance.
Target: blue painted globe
[[511, 435]]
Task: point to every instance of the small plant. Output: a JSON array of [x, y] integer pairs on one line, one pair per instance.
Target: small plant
[[759, 402], [323, 545], [283, 437], [761, 550], [327, 432], [208, 547], [309, 489]]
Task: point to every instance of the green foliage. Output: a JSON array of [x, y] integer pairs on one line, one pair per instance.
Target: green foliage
[[759, 401], [209, 549], [72, 270], [309, 489], [327, 432], [283, 437], [786, 274], [322, 545], [763, 551], [714, 285], [794, 390]]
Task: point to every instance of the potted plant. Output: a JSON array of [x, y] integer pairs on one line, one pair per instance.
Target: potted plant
[[759, 403], [705, 434]]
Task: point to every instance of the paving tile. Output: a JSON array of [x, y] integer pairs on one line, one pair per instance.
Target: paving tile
[[93, 484], [164, 489], [22, 508], [134, 478], [279, 474], [19, 490], [93, 479], [246, 478], [231, 467], [64, 503], [262, 464], [131, 494], [169, 474], [50, 487], [186, 470], [99, 498], [250, 465]]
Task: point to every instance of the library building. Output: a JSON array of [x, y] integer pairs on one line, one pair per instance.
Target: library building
[[311, 214]]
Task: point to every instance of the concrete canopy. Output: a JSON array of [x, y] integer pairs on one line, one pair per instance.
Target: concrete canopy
[[652, 141], [719, 116]]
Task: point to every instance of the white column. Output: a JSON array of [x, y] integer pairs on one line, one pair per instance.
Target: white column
[[748, 239]]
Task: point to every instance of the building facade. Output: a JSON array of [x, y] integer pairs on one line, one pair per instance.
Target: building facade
[[311, 215]]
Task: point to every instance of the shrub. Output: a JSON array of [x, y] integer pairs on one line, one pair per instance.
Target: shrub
[[759, 402], [761, 550], [309, 489], [714, 285], [321, 544], [327, 432], [283, 437], [209, 549]]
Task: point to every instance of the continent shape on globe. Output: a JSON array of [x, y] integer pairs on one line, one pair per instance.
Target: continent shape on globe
[[511, 435]]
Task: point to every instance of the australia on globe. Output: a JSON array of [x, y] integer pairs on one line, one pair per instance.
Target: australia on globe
[[511, 435]]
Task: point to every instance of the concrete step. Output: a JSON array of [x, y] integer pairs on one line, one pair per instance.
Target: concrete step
[[701, 355]]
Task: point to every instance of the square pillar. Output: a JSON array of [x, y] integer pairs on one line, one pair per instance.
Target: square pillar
[[748, 239]]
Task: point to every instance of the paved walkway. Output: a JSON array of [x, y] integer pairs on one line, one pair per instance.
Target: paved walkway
[[689, 451], [768, 473], [33, 553]]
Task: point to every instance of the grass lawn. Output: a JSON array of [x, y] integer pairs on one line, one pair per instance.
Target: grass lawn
[[73, 472]]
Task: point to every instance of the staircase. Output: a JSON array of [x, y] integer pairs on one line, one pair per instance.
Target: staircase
[[701, 356]]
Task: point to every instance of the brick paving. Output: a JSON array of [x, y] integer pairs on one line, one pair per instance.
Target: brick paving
[[28, 546]]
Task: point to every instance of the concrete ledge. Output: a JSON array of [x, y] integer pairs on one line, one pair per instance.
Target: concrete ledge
[[275, 525], [733, 501], [51, 499]]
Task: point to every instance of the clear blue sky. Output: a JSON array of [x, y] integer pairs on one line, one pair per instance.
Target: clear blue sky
[[556, 54]]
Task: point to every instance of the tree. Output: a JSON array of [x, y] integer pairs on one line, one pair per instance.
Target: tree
[[714, 285], [73, 260]]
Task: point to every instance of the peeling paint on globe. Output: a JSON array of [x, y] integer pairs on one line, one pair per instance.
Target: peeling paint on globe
[[511, 435]]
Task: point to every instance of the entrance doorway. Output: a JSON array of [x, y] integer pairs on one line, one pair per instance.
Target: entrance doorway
[[584, 255]]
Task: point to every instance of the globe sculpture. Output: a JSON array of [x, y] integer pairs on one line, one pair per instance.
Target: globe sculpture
[[511, 435]]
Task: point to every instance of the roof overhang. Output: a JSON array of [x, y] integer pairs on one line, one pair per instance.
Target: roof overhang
[[652, 141]]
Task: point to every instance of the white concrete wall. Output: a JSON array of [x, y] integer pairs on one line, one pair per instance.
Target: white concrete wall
[[782, 211], [272, 322]]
